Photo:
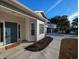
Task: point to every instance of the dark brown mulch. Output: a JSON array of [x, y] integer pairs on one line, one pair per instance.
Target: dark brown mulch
[[69, 49], [40, 45]]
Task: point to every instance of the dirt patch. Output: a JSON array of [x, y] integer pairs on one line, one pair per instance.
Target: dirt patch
[[40, 45], [69, 49]]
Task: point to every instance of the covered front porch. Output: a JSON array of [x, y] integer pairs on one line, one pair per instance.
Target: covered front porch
[[15, 27]]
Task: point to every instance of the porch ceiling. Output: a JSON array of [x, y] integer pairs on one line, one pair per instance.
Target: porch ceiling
[[15, 13], [25, 9]]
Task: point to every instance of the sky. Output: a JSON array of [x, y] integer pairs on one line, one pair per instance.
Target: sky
[[53, 8]]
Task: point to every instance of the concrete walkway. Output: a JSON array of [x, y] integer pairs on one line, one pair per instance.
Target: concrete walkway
[[50, 52]]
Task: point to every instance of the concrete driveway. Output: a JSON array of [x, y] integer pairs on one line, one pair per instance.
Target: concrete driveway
[[59, 35], [50, 52]]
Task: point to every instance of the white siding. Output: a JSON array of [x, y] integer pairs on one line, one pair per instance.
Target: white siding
[[40, 36]]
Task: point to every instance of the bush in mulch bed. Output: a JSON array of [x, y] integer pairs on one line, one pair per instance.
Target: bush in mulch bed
[[40, 45], [69, 49]]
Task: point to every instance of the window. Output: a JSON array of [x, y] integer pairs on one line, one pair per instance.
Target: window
[[41, 28], [32, 29]]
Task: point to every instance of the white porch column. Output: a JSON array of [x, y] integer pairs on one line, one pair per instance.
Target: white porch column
[[4, 34]]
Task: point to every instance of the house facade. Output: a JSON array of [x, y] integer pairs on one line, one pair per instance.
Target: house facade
[[18, 23], [51, 28]]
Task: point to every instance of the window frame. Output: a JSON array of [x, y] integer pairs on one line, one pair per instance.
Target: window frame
[[19, 31], [32, 29], [41, 28]]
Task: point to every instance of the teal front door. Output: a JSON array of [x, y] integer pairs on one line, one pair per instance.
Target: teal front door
[[11, 32]]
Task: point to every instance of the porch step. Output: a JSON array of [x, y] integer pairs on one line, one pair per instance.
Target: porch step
[[14, 52], [10, 52], [12, 56], [19, 52]]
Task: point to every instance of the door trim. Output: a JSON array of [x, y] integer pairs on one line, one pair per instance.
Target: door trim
[[4, 41], [32, 37]]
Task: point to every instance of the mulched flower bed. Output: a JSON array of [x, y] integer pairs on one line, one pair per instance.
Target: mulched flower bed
[[69, 49], [40, 45]]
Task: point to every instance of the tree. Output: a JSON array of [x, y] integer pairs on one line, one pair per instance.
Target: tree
[[55, 19], [75, 22], [75, 25], [64, 24], [61, 22]]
